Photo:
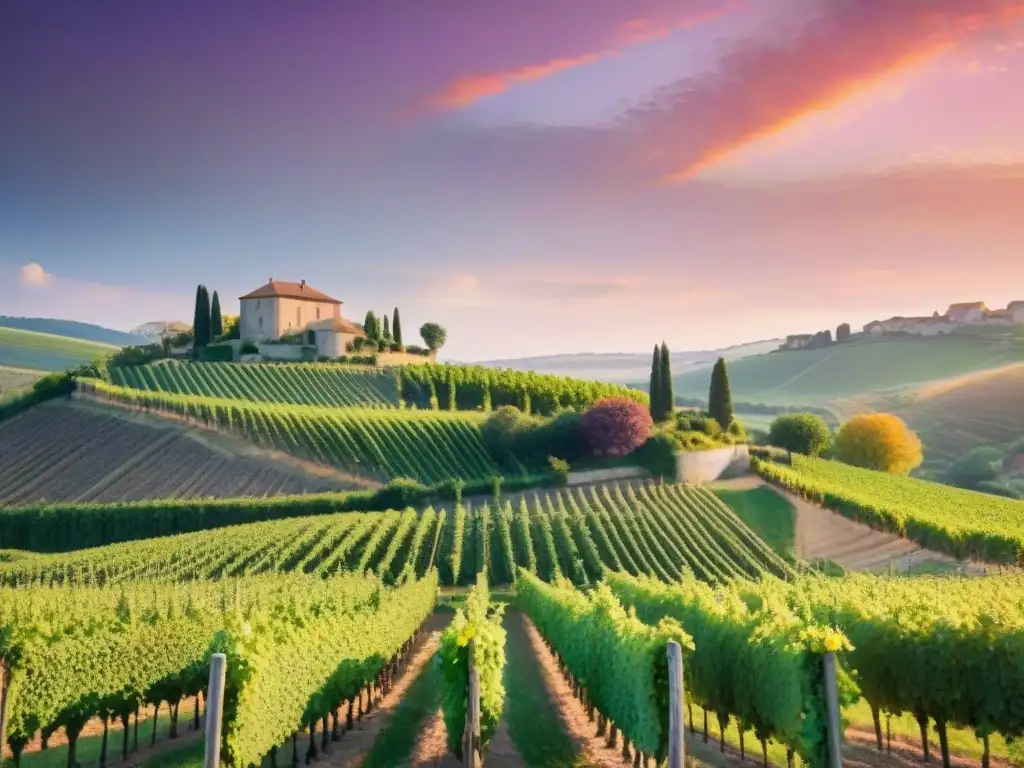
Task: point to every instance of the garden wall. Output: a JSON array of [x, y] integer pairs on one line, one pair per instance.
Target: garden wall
[[716, 464], [610, 475]]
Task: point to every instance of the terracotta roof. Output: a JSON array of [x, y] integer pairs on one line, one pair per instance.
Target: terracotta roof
[[1015, 305], [968, 305], [339, 324], [285, 290]]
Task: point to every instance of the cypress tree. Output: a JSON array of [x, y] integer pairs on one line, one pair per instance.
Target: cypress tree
[[396, 331], [370, 325], [719, 397], [201, 319], [666, 398], [387, 328], [216, 322], [656, 384]]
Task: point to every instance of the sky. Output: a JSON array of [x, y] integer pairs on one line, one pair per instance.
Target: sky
[[539, 177]]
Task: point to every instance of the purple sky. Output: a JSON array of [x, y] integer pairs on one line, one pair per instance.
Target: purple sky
[[539, 177]]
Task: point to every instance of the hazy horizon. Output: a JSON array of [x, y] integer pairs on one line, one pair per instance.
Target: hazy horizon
[[536, 177]]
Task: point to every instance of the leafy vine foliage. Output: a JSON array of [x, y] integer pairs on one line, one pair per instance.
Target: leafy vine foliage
[[620, 661], [478, 623]]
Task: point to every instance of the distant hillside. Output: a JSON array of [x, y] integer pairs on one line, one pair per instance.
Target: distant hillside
[[72, 329], [820, 376], [624, 368], [46, 352], [953, 416]]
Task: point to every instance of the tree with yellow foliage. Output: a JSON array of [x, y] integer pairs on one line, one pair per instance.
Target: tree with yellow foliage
[[878, 441]]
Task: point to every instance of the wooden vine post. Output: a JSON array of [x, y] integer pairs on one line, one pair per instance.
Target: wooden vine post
[[835, 728], [214, 710], [676, 698], [471, 734], [5, 681]]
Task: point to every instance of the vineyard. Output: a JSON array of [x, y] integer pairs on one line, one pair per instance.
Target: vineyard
[[430, 386], [377, 443], [663, 531], [308, 646], [320, 384], [61, 453], [964, 524]]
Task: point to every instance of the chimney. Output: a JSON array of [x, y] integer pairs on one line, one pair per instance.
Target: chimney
[[271, 281], [303, 283]]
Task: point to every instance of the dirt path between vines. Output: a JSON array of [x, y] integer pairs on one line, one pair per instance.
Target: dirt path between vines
[[355, 744]]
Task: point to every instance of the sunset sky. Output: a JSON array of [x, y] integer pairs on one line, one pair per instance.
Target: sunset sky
[[538, 176]]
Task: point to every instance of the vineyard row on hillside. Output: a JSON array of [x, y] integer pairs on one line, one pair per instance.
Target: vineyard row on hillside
[[964, 524], [307, 646], [287, 383], [666, 531], [422, 445], [429, 386], [61, 453]]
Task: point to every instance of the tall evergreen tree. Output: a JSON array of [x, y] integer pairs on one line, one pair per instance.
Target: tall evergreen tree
[[387, 328], [216, 321], [201, 318], [396, 331], [371, 326], [720, 397], [666, 397], [656, 384]]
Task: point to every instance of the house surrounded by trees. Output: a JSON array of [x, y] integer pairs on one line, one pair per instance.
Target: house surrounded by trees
[[279, 308]]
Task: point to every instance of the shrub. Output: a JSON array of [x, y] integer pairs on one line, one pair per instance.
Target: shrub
[[803, 433], [658, 455], [697, 441], [878, 441], [737, 431], [561, 435], [561, 468], [249, 347], [616, 426], [501, 429], [979, 466], [711, 427]]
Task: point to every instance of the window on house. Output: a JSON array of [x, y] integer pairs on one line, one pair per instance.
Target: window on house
[[257, 303], [318, 313], [261, 323], [298, 316]]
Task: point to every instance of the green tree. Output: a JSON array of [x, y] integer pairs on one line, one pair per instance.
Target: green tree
[[719, 396], [805, 433], [201, 318], [656, 384], [434, 336], [371, 326], [396, 331], [667, 398], [216, 321], [843, 333], [386, 334]]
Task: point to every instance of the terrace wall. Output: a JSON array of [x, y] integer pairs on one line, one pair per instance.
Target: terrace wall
[[716, 464]]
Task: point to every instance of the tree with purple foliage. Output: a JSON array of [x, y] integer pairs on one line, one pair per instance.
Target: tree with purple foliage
[[616, 426]]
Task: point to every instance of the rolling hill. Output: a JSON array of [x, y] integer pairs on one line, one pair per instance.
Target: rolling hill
[[46, 352], [623, 368], [822, 376], [73, 329]]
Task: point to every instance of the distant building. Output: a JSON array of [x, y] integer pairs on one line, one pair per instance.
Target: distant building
[[279, 308], [973, 313], [156, 330], [798, 341]]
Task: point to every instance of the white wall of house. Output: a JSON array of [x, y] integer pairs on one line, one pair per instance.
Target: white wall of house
[[258, 319]]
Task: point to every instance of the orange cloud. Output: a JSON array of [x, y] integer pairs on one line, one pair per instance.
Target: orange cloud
[[760, 91], [465, 90]]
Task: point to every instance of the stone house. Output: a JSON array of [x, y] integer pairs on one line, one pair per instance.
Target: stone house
[[967, 313], [279, 308]]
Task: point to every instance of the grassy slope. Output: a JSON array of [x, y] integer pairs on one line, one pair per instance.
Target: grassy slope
[[817, 376], [769, 514], [13, 379], [44, 352]]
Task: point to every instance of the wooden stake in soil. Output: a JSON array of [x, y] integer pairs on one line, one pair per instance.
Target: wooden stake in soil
[[676, 695], [835, 728], [214, 710], [5, 679], [471, 734]]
